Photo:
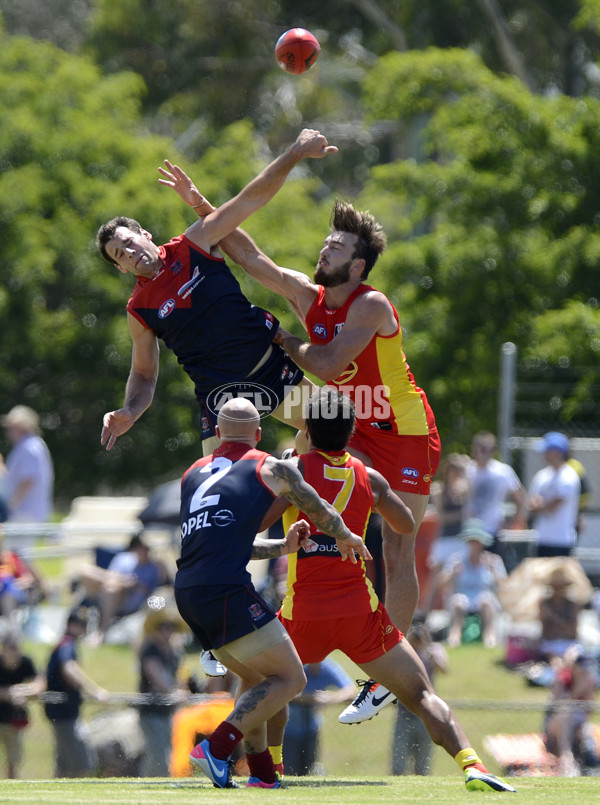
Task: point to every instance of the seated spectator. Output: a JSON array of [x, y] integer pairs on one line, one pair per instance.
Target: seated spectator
[[121, 589], [18, 682], [412, 746], [160, 656], [574, 688], [19, 583], [326, 683], [559, 616], [473, 579]]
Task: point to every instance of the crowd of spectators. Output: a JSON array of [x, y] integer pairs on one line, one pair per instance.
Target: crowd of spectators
[[475, 498]]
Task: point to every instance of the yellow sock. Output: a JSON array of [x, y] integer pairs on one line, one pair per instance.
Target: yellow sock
[[276, 754], [467, 757]]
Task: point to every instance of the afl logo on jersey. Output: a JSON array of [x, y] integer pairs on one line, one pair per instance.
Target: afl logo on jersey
[[347, 375], [320, 330], [166, 309]]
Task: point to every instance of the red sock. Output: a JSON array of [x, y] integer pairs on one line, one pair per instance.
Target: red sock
[[261, 766], [224, 740], [478, 766]]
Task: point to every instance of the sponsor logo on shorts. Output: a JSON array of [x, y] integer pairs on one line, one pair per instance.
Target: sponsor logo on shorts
[[320, 330], [338, 327], [166, 309], [256, 611], [427, 478], [269, 320], [410, 472], [262, 398], [389, 629]]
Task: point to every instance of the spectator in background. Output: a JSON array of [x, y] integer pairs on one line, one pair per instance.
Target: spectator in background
[[18, 682], [20, 584], [554, 498], [585, 490], [574, 688], [559, 616], [411, 742], [122, 588], [160, 657], [493, 485], [326, 683], [450, 498], [473, 579], [28, 471], [64, 675]]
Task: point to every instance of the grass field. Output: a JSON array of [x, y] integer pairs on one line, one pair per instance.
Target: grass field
[[346, 751], [368, 790]]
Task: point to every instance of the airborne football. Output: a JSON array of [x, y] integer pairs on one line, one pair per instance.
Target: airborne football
[[297, 50]]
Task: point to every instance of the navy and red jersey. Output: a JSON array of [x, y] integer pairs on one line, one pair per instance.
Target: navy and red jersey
[[223, 503], [319, 584], [62, 654], [196, 306]]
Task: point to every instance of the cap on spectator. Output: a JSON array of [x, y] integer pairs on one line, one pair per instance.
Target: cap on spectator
[[23, 416], [474, 529], [554, 441]]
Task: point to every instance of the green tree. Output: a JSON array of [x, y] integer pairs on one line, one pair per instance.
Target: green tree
[[492, 232], [73, 153]]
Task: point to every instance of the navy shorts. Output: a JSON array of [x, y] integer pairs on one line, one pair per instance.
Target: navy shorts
[[218, 615], [265, 388]]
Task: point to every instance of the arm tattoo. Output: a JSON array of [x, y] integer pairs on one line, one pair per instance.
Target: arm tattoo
[[267, 548], [308, 501]]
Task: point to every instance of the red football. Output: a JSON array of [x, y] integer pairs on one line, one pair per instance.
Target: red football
[[296, 50]]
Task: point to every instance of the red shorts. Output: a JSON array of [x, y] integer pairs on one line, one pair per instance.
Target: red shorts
[[362, 638], [408, 463]]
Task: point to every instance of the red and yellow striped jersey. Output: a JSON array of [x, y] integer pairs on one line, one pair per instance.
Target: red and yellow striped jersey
[[379, 379], [319, 584]]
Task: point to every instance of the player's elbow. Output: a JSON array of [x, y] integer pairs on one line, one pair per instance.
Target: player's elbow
[[326, 369]]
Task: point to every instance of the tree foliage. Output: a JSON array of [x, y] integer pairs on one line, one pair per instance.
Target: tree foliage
[[487, 186], [493, 230]]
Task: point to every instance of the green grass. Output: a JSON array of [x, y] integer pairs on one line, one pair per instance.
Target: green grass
[[368, 790], [346, 751]]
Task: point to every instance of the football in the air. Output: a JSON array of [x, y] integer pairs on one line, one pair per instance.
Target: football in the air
[[296, 50]]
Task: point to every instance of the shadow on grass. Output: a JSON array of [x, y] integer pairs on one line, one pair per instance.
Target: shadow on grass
[[170, 782]]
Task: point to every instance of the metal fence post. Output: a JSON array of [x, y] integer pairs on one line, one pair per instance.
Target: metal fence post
[[506, 398]]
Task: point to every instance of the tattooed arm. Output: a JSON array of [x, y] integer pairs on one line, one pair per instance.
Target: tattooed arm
[[283, 478], [273, 548]]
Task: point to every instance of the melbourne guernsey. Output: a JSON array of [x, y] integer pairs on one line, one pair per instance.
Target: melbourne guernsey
[[223, 503], [196, 306]]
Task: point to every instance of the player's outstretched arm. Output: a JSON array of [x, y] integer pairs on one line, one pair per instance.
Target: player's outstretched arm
[[141, 384], [211, 229], [294, 286]]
